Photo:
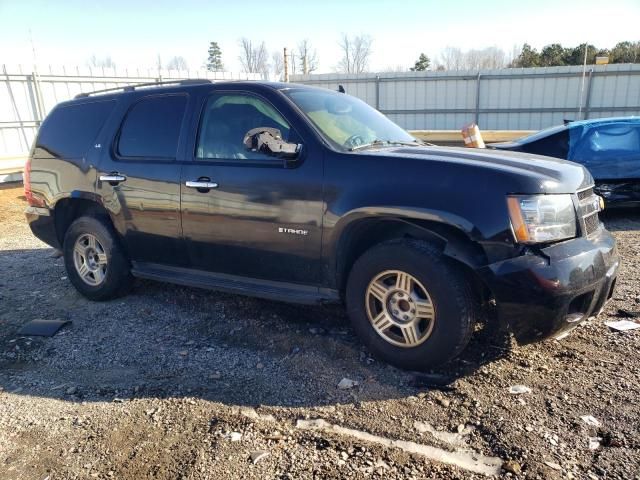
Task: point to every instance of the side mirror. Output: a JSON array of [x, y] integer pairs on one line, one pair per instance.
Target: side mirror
[[269, 140]]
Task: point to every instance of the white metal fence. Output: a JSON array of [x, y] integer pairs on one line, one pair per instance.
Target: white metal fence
[[27, 95], [505, 99]]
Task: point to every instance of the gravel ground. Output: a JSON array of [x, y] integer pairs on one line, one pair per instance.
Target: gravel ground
[[173, 382]]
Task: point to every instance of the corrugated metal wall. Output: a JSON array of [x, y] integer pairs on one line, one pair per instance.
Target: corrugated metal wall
[[27, 96], [505, 99]]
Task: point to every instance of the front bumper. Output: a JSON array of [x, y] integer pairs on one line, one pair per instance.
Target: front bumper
[[42, 225], [548, 293]]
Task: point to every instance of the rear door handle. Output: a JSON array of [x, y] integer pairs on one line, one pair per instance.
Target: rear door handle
[[113, 178], [201, 184]]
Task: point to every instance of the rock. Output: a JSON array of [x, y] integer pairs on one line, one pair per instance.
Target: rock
[[344, 455], [553, 465], [258, 455], [260, 365], [512, 466], [519, 389], [445, 402], [71, 391], [594, 443], [381, 464], [235, 436], [346, 383], [184, 353], [589, 420]]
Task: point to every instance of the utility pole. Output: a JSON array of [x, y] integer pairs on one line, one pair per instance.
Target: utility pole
[[584, 74], [286, 66]]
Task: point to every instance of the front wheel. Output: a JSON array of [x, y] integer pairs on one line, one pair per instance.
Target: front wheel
[[94, 260], [410, 305]]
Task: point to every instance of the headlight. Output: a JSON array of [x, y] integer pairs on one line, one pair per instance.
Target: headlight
[[542, 218]]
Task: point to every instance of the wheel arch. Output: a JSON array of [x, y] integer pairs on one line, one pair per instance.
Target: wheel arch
[[363, 233], [68, 209]]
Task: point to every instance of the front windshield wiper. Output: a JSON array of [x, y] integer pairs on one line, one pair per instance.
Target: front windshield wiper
[[378, 142]]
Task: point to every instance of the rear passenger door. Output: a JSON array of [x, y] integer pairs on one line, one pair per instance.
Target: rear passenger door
[[138, 177]]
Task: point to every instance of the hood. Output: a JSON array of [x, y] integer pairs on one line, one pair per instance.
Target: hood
[[529, 173]]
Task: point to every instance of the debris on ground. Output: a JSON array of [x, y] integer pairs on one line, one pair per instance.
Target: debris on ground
[[590, 420], [258, 455], [347, 383], [465, 459], [42, 328], [622, 325], [519, 389]]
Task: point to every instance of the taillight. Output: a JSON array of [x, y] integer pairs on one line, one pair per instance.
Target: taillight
[[32, 200]]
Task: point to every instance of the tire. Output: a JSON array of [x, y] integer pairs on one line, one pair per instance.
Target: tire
[[416, 331], [98, 268]]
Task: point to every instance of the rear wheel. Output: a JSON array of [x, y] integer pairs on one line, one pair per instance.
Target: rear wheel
[[96, 264], [411, 306]]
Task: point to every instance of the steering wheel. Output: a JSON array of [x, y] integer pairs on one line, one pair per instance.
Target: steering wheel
[[354, 141]]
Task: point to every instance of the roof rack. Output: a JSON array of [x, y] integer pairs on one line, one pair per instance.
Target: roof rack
[[131, 88]]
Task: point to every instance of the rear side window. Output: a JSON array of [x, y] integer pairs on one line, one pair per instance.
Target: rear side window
[[151, 128], [69, 130]]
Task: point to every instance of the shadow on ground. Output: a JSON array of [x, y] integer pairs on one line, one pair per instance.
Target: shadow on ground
[[169, 341]]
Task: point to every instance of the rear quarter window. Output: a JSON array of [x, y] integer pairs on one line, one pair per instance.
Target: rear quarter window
[[70, 130], [151, 128]]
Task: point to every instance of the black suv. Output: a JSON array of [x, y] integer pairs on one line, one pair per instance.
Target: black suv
[[307, 195]]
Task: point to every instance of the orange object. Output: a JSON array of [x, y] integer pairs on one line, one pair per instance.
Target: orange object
[[517, 221], [472, 136]]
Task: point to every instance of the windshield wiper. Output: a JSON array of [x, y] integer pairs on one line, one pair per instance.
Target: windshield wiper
[[375, 143], [378, 142]]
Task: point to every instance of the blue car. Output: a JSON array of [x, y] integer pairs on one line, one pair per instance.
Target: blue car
[[608, 147]]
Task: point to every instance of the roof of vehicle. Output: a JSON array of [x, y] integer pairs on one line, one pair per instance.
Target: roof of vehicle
[[569, 125], [595, 121], [184, 85]]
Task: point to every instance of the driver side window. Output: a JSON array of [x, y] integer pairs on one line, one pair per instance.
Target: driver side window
[[226, 120]]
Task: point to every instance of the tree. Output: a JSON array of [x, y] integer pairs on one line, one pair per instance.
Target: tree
[[553, 55], [451, 58], [575, 56], [307, 56], [529, 57], [177, 63], [277, 65], [104, 62], [254, 58], [625, 52], [422, 64], [356, 52], [214, 61]]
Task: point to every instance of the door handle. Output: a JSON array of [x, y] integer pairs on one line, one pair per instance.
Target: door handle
[[113, 178], [200, 184]]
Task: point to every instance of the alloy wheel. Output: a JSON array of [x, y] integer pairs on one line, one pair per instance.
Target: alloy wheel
[[90, 259], [400, 309]]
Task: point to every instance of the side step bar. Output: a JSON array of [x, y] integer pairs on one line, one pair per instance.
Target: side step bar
[[252, 287]]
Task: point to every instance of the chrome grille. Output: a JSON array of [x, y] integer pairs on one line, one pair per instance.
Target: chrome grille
[[591, 223], [585, 193], [588, 208]]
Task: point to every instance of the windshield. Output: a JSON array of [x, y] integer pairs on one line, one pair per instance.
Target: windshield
[[346, 121]]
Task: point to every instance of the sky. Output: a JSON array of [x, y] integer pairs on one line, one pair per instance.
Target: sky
[[134, 33]]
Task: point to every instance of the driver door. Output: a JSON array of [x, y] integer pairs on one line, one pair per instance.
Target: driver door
[[259, 217]]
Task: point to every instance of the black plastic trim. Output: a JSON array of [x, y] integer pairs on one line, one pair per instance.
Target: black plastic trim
[[253, 287]]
